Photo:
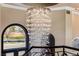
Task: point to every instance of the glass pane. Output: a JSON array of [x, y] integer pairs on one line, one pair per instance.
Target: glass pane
[[14, 37]]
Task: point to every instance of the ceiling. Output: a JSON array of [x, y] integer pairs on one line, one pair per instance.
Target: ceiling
[[49, 5], [32, 4], [74, 5], [40, 4]]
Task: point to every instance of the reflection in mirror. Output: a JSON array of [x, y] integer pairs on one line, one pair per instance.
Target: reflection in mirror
[[14, 37]]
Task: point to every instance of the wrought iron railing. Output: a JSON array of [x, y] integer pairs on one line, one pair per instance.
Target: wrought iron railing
[[59, 51]]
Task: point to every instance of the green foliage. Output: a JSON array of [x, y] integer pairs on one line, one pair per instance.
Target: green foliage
[[17, 37]]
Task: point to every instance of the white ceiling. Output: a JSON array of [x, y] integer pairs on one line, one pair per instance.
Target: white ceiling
[[74, 5], [26, 5]]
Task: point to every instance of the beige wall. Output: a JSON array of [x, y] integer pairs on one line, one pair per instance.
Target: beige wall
[[72, 28], [58, 26], [12, 16], [17, 16], [75, 26]]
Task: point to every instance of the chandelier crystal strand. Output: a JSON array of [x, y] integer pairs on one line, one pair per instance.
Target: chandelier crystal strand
[[38, 25]]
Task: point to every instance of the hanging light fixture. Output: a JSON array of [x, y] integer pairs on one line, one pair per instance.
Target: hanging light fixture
[[38, 24]]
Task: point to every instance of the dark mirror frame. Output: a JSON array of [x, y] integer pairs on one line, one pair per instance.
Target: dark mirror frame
[[3, 32]]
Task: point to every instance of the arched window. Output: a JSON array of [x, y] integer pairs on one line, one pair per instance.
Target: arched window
[[14, 36]]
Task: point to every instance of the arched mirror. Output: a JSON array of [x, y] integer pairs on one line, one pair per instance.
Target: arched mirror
[[14, 36]]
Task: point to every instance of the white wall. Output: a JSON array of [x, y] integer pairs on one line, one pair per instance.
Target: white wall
[[68, 28], [58, 26]]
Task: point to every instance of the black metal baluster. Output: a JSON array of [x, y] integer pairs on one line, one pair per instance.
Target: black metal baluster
[[63, 51], [3, 54], [58, 53], [16, 53]]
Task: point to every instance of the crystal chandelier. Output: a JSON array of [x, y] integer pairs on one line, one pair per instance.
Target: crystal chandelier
[[38, 24]]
